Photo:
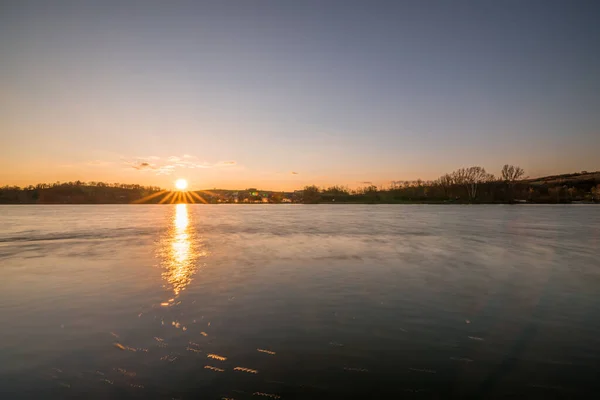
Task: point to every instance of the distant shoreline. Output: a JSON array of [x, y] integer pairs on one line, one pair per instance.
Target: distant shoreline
[[464, 186], [316, 204]]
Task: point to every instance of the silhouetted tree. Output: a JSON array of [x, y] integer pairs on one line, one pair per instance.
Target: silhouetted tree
[[311, 194], [510, 173], [470, 178], [445, 182]]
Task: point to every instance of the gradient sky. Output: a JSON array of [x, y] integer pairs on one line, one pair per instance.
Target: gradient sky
[[279, 94]]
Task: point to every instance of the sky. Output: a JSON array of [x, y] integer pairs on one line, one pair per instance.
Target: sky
[[281, 94]]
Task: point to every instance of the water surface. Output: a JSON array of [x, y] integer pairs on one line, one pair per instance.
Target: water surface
[[301, 302]]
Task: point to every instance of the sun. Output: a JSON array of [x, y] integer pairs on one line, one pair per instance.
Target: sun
[[181, 184]]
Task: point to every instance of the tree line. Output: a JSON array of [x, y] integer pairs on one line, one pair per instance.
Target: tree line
[[469, 185], [76, 192], [72, 184], [465, 185]]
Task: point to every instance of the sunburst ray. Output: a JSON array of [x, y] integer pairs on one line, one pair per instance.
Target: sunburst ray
[[188, 198], [149, 197], [166, 198], [197, 197]]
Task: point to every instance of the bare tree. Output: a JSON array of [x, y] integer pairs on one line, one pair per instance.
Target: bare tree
[[475, 176], [510, 173], [445, 181], [470, 178], [460, 177]]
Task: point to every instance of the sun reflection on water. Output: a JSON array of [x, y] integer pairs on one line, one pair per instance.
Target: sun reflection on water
[[181, 217], [179, 252]]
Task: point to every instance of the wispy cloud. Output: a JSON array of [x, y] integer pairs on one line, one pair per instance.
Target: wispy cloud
[[165, 170], [169, 164], [294, 173], [366, 183], [143, 165]]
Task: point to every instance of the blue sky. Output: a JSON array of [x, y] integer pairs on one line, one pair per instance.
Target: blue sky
[[243, 93]]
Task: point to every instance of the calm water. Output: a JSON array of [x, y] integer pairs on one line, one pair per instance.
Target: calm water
[[299, 301]]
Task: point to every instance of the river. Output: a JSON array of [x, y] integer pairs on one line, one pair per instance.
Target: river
[[299, 301]]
